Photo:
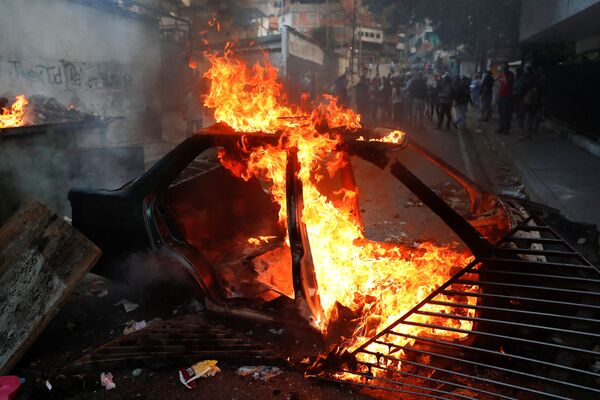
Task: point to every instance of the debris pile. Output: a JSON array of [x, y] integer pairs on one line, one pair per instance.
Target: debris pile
[[39, 109], [43, 110]]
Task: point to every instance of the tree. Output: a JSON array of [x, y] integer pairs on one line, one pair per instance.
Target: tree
[[479, 25]]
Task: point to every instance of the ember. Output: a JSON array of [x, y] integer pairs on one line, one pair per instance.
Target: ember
[[377, 282]]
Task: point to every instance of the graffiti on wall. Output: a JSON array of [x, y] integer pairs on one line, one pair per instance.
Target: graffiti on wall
[[68, 75]]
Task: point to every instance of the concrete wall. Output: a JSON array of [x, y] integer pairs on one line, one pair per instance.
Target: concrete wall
[[540, 15], [101, 61]]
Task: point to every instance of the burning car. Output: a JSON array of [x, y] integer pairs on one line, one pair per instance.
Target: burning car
[[263, 210]]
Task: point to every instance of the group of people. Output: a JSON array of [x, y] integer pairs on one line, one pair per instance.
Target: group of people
[[408, 99]]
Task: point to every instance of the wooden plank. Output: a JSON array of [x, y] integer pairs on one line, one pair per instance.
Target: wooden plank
[[42, 258]]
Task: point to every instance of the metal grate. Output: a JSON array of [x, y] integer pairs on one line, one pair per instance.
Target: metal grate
[[535, 310], [178, 342]]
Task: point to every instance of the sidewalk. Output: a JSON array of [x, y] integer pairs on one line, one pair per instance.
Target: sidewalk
[[554, 171]]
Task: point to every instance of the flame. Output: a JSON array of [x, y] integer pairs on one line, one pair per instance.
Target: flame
[[395, 137], [259, 240], [14, 116], [378, 282]]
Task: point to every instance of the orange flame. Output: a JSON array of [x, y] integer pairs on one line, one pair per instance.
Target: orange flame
[[377, 282], [14, 116]]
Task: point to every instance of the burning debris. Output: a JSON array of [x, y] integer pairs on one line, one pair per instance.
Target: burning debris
[[38, 110], [13, 115], [375, 282]]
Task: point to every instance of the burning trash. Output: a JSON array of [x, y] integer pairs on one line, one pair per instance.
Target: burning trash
[[37, 110], [13, 115]]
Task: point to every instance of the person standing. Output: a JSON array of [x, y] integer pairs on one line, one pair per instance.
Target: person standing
[[462, 97], [385, 99], [505, 99], [341, 91], [361, 90], [486, 92], [530, 103], [408, 101], [445, 102], [373, 95], [474, 88], [397, 104], [418, 93], [433, 89]]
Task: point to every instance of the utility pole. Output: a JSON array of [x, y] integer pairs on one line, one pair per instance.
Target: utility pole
[[352, 43], [326, 23]]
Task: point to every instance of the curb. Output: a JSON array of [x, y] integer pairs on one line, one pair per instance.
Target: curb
[[582, 141], [535, 188]]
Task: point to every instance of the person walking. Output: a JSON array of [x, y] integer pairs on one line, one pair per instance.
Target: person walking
[[505, 99], [445, 102]]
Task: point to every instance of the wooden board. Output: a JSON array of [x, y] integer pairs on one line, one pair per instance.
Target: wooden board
[[42, 258]]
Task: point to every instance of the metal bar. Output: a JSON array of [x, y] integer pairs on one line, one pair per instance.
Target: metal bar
[[419, 305], [479, 199], [443, 382], [534, 240], [573, 249], [536, 252], [473, 377], [532, 275], [563, 303], [391, 389], [394, 371], [463, 229], [530, 228], [533, 263], [370, 377], [487, 351], [483, 365], [515, 285], [498, 336], [534, 313], [466, 318]]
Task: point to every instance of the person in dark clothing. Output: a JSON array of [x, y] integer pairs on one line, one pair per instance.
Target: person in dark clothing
[[418, 93], [373, 94], [445, 102], [518, 94], [433, 90], [385, 99], [505, 99], [530, 93], [397, 102], [461, 95], [362, 98], [485, 92], [341, 90]]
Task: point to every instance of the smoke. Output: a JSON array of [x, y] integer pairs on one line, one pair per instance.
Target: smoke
[[98, 58]]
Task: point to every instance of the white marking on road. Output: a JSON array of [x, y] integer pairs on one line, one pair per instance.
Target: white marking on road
[[465, 155]]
